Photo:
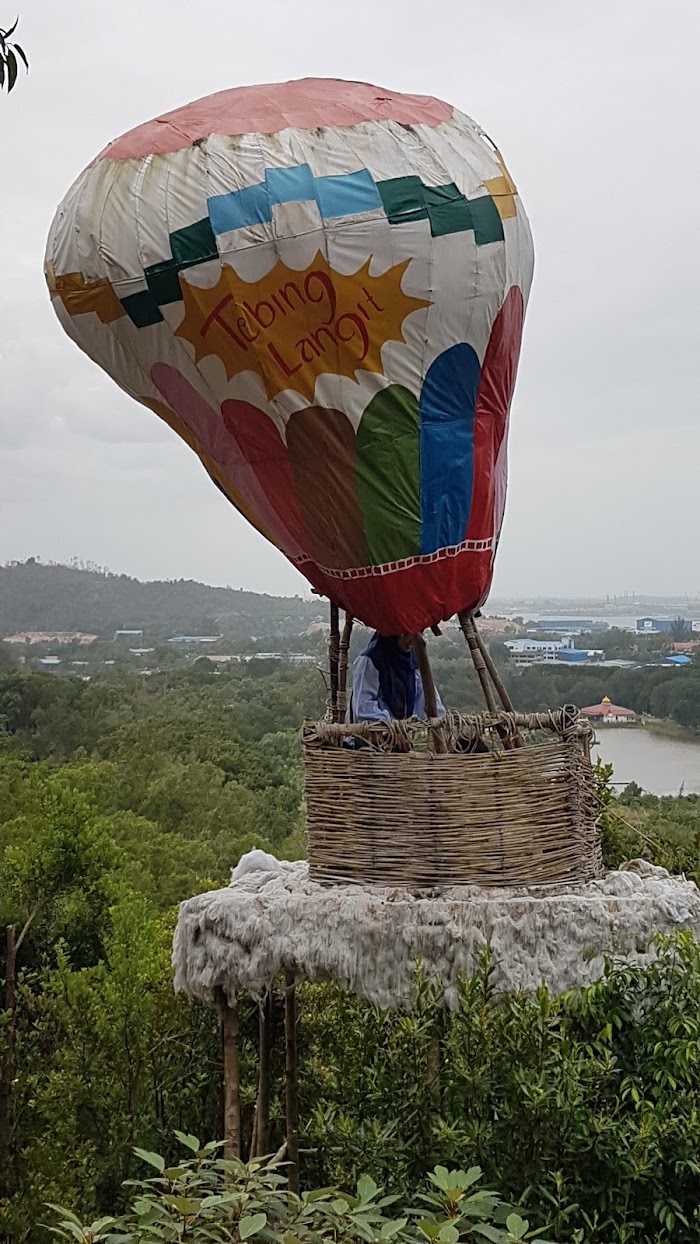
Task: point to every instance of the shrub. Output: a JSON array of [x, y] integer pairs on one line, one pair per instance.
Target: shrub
[[209, 1198]]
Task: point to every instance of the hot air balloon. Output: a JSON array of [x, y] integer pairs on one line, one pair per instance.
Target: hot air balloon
[[320, 286]]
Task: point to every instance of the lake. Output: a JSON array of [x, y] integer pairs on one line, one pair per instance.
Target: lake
[[660, 766]]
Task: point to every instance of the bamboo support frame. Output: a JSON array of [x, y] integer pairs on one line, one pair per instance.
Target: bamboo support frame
[[487, 674], [291, 1080], [493, 672], [343, 663], [466, 623], [261, 1125], [429, 691], [232, 1076], [333, 659]]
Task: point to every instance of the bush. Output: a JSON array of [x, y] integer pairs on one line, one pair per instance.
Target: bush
[[209, 1198]]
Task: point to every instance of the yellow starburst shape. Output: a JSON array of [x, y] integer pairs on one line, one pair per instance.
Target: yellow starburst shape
[[292, 327]]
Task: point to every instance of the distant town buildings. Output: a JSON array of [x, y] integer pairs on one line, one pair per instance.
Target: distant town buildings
[[493, 625], [607, 712], [662, 626], [568, 626], [50, 637], [294, 658], [534, 651], [544, 651], [195, 639]]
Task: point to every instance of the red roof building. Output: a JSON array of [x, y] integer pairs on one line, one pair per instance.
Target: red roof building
[[605, 711]]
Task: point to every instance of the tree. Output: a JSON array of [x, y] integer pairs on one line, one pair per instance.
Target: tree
[[680, 630], [499, 652], [9, 52], [8, 660], [58, 852]]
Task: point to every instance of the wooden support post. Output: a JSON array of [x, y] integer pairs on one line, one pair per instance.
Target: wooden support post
[[467, 624], [232, 1076], [259, 1145], [291, 1079], [333, 658], [480, 657], [493, 672], [343, 666], [429, 691]]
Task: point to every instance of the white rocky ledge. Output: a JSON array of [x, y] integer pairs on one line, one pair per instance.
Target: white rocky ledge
[[272, 918]]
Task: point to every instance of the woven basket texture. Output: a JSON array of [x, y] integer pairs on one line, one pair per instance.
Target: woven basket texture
[[394, 809]]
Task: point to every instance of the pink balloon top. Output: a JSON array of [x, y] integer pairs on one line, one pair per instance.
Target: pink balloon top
[[303, 104]]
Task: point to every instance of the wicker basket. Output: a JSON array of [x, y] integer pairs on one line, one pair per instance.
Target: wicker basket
[[428, 816]]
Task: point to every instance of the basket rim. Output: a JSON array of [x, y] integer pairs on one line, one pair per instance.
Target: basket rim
[[566, 723]]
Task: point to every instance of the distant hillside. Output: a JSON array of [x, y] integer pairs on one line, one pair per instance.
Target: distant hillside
[[34, 597]]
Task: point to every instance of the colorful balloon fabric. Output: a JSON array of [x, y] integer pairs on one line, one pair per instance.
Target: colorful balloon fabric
[[320, 286]]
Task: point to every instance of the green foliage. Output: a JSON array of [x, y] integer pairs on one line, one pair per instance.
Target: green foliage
[[122, 796], [206, 1197], [583, 1109], [663, 830]]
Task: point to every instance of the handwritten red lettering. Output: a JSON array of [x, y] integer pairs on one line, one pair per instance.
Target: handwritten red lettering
[[281, 363], [357, 324], [324, 292], [215, 317]]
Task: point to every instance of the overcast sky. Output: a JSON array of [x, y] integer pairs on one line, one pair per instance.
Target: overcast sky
[[595, 106]]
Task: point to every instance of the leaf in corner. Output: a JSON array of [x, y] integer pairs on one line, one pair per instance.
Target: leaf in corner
[[11, 69], [366, 1188], [251, 1225], [487, 1232], [517, 1226], [448, 1234], [190, 1142], [153, 1159]]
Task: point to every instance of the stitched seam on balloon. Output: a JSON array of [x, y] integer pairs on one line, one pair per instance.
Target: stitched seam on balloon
[[405, 563]]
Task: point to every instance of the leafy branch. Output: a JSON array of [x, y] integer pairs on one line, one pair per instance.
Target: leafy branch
[[206, 1197], [10, 53]]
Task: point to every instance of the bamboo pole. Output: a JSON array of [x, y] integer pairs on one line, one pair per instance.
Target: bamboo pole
[[291, 1079], [466, 622], [343, 666], [483, 669], [516, 740], [429, 691], [493, 672], [333, 658], [261, 1126], [232, 1076]]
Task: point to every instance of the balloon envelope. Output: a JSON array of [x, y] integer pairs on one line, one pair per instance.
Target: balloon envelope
[[320, 286]]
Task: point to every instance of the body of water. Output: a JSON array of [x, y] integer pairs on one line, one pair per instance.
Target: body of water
[[660, 766]]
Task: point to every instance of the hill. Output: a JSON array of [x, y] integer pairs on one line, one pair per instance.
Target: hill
[[39, 597]]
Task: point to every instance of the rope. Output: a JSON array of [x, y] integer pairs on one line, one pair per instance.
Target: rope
[[454, 729]]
